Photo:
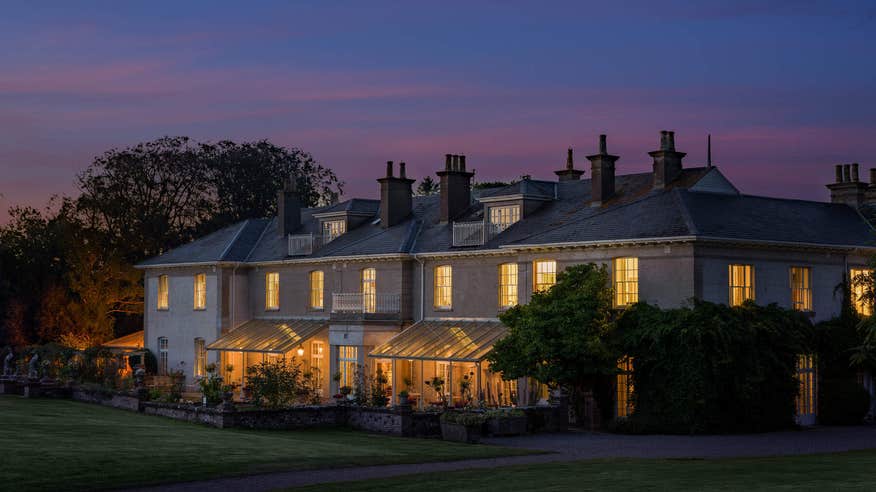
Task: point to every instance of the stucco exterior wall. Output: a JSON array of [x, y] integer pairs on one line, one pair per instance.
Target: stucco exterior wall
[[181, 323]]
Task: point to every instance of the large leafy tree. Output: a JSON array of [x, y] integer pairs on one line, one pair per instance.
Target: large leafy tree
[[563, 336]]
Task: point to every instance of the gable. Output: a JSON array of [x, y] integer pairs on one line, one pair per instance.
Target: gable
[[714, 182]]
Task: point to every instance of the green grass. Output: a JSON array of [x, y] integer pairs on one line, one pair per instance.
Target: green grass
[[841, 471], [66, 445]]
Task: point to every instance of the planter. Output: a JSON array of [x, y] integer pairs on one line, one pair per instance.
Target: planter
[[506, 426], [460, 432]]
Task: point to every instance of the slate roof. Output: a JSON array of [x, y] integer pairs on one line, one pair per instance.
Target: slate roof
[[635, 211]]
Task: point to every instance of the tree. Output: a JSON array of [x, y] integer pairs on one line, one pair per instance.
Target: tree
[[562, 337], [427, 186]]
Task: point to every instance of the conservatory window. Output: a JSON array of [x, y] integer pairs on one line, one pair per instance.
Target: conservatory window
[[348, 360]]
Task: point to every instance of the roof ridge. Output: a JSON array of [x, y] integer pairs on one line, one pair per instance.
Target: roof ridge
[[685, 213], [259, 240], [233, 240]]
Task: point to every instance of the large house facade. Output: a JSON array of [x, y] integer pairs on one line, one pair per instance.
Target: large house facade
[[413, 285]]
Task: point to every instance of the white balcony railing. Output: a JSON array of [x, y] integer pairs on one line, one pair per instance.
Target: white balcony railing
[[306, 244], [473, 233], [357, 302]]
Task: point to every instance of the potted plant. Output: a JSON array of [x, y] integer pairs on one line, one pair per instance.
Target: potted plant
[[462, 426], [403, 398], [437, 385], [506, 422]]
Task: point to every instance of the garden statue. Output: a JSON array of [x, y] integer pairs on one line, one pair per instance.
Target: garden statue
[[33, 371], [7, 362]]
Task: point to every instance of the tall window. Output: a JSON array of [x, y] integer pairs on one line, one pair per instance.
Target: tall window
[[741, 278], [272, 291], [201, 291], [163, 293], [507, 285], [316, 289], [501, 218], [545, 275], [801, 288], [443, 287], [348, 359], [369, 290], [625, 387], [626, 281], [200, 357], [317, 353], [331, 229], [442, 370], [806, 399], [861, 279], [162, 355]]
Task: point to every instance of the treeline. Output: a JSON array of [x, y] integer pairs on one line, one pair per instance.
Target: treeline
[[66, 272]]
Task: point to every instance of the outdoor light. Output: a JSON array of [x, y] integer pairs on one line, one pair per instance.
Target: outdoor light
[[300, 351]]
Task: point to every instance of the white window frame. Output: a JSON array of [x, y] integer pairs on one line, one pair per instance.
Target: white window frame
[[200, 357], [503, 217], [272, 291], [509, 285], [162, 302], [200, 292], [163, 362]]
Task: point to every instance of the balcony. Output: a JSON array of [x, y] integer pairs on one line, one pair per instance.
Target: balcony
[[359, 306], [473, 233], [306, 244]]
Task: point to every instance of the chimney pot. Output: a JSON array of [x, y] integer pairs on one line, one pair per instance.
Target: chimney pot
[[447, 161], [847, 173], [388, 169], [664, 140], [462, 162], [401, 170], [873, 176], [671, 140], [603, 147], [855, 172], [570, 163], [839, 173], [455, 187]]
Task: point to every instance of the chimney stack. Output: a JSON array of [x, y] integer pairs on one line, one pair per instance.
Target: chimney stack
[[288, 209], [667, 162], [455, 187], [569, 173], [601, 174], [395, 196], [849, 189]]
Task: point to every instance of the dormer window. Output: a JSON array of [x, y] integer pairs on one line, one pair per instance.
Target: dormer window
[[502, 218], [331, 229]]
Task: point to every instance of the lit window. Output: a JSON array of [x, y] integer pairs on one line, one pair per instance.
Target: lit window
[[200, 357], [741, 281], [861, 280], [162, 356], [331, 229], [806, 400], [624, 382], [200, 291], [626, 281], [163, 293], [272, 291], [316, 289], [317, 352], [443, 287], [801, 288], [348, 360], [545, 275], [507, 285], [501, 218], [369, 290]]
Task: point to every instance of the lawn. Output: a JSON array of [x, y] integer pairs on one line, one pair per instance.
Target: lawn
[[841, 471], [66, 445]]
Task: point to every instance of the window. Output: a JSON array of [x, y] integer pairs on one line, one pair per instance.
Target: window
[[163, 293], [316, 289], [861, 279], [200, 291], [626, 281], [801, 288], [545, 275], [625, 387], [443, 287], [507, 285], [442, 370], [317, 351], [162, 356], [200, 357], [501, 218], [806, 407], [348, 360], [331, 229], [272, 291], [369, 290], [741, 279]]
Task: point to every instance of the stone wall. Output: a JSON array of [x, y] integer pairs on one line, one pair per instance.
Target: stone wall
[[290, 418], [190, 413], [124, 402]]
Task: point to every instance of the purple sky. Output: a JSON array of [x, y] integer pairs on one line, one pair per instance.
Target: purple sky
[[787, 89]]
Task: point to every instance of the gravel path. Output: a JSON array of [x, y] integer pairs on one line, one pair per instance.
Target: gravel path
[[569, 447]]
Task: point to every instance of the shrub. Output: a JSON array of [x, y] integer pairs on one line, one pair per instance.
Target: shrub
[[713, 368], [278, 384], [463, 418], [504, 413], [211, 385], [844, 402]]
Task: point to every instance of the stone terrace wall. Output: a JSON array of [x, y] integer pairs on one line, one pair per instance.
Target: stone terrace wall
[[123, 402], [289, 418]]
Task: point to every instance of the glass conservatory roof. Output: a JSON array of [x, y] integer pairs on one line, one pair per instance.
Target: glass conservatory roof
[[465, 341], [275, 336]]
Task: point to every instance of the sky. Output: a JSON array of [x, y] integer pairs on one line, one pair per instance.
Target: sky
[[787, 89]]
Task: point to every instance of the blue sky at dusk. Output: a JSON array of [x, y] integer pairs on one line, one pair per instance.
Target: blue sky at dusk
[[787, 89]]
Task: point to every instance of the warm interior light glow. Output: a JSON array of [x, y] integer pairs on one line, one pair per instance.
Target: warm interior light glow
[[300, 351]]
